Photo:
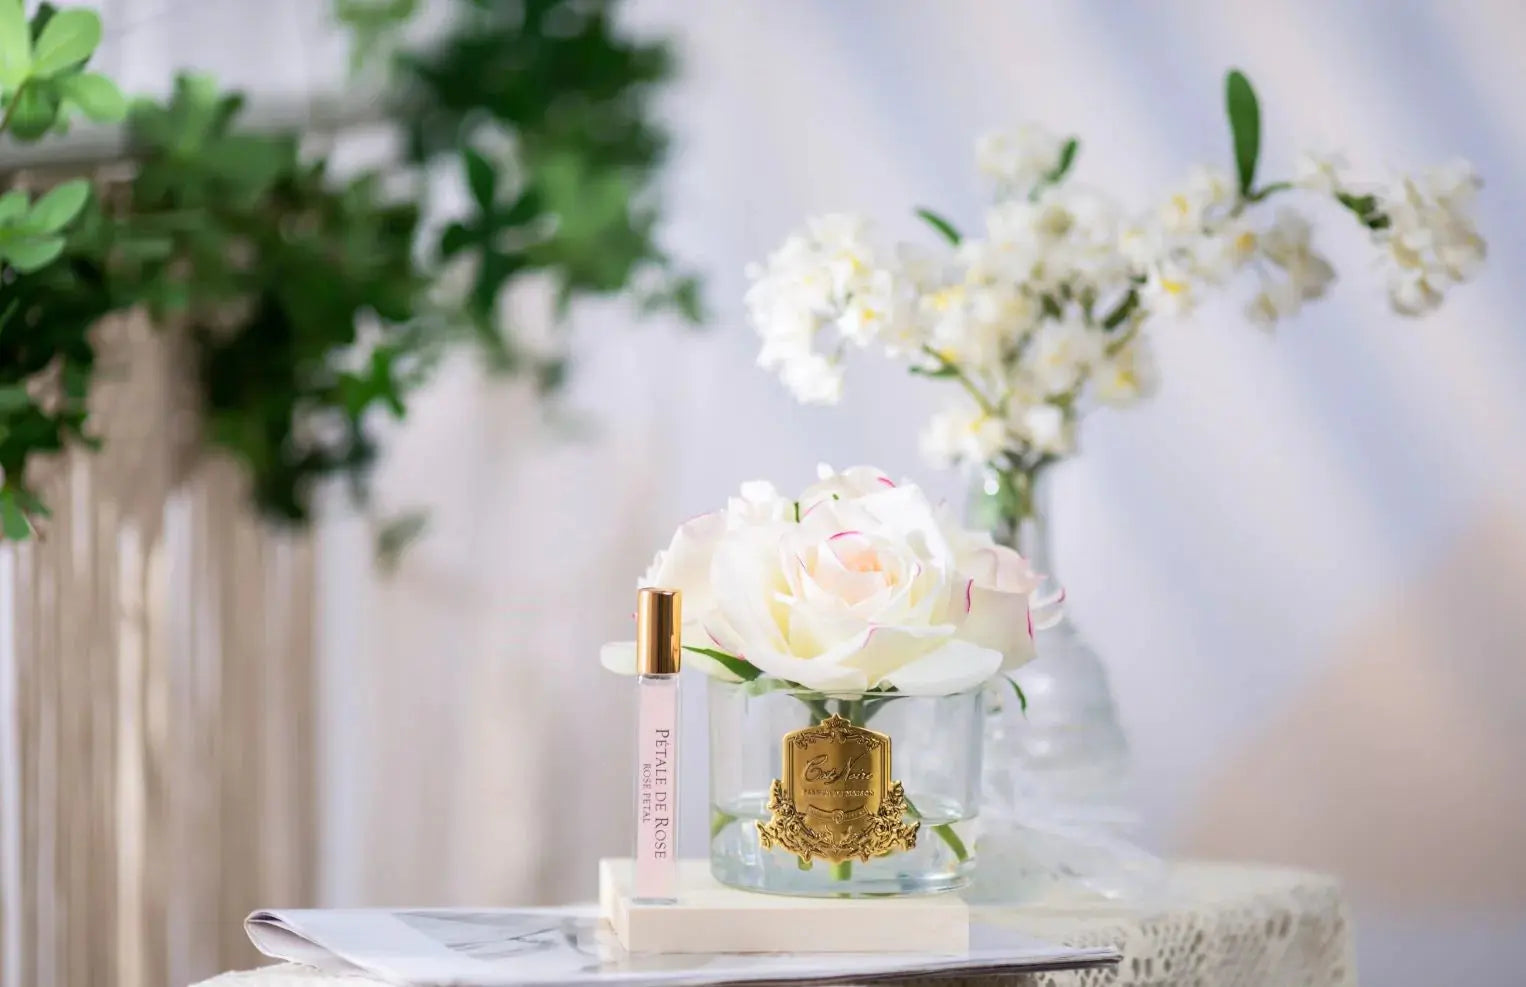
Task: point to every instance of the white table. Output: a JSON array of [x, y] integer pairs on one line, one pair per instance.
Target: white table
[[1220, 925]]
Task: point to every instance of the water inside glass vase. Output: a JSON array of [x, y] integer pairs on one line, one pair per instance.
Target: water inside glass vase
[[1056, 780]]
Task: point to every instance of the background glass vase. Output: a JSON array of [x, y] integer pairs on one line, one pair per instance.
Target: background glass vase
[[936, 746], [1057, 779]]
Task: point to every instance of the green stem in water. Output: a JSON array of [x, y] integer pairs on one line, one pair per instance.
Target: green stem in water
[[945, 832], [718, 821], [842, 870]]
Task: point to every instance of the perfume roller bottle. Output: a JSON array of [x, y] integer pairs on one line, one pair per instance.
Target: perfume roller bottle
[[659, 651]]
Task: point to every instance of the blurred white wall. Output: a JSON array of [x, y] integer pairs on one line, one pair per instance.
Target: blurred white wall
[[1301, 561]]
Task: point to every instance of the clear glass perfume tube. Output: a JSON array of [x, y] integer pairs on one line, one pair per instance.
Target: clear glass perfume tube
[[658, 656]]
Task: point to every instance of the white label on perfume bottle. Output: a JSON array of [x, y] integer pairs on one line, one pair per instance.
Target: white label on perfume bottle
[[657, 790]]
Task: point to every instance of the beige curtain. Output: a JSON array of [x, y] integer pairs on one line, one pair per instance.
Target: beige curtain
[[156, 693]]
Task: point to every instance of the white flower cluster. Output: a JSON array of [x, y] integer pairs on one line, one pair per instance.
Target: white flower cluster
[[1042, 316], [1203, 237], [1430, 240], [824, 279]]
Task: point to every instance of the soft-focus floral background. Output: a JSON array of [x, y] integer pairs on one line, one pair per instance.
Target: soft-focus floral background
[[1301, 561]]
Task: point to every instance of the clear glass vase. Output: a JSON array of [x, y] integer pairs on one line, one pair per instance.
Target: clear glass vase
[[1057, 779], [934, 753]]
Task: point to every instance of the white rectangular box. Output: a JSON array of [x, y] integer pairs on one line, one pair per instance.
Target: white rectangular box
[[712, 918]]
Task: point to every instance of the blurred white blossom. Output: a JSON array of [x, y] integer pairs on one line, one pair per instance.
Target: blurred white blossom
[[963, 433], [1062, 354], [1168, 290], [1045, 313], [1128, 375], [1190, 209], [1320, 172], [1430, 241], [1017, 160], [1047, 428], [827, 281]]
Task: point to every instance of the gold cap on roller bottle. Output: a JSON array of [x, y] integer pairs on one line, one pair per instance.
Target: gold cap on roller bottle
[[659, 631]]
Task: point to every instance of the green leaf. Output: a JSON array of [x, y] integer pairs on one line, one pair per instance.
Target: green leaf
[[1365, 208], [40, 18], [32, 253], [13, 521], [736, 666], [1022, 699], [96, 96], [13, 397], [940, 224], [36, 110], [1067, 158], [13, 204], [1124, 309], [396, 535], [481, 177], [947, 370], [1359, 204], [1244, 125], [455, 239], [15, 44], [58, 207], [31, 503], [70, 37]]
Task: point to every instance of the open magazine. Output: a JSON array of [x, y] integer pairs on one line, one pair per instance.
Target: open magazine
[[570, 946]]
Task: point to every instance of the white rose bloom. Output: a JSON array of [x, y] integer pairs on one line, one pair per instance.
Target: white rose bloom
[[1002, 584], [851, 484], [862, 593], [684, 565], [758, 502], [871, 589]]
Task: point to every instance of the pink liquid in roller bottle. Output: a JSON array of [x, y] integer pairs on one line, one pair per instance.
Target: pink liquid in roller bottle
[[658, 657]]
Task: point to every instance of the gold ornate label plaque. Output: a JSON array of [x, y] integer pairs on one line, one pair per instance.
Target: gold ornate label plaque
[[836, 800]]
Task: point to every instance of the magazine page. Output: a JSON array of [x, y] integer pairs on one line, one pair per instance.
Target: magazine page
[[564, 947]]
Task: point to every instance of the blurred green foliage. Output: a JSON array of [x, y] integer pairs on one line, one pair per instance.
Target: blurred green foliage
[[544, 106], [47, 303], [309, 300], [297, 289]]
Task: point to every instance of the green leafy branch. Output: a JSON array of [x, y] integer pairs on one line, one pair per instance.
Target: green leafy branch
[[46, 307], [1014, 470], [568, 193], [309, 305]]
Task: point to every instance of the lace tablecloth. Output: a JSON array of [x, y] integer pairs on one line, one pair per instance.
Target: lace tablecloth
[[1220, 925]]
